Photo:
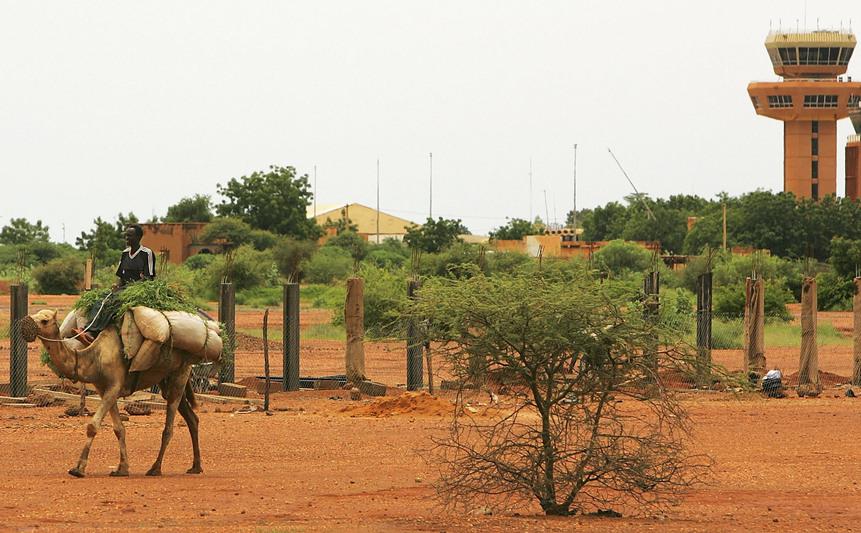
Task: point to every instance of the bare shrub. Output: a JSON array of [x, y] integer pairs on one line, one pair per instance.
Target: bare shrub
[[586, 422]]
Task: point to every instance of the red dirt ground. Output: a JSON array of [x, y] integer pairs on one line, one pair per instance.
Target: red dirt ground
[[321, 464]]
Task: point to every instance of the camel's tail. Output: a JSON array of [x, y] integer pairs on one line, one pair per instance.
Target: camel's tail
[[189, 395]]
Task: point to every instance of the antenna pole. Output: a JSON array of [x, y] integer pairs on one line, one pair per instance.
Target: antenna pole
[[643, 200], [378, 200], [531, 218], [574, 217], [315, 191], [546, 211], [724, 226], [430, 207]]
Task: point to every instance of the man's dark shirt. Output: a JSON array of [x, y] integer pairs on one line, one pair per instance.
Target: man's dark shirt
[[136, 266]]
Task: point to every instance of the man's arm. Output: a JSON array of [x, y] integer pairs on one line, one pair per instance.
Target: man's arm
[[150, 274]]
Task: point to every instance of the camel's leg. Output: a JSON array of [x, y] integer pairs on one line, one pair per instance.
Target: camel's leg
[[109, 400], [172, 388], [120, 431], [192, 421]]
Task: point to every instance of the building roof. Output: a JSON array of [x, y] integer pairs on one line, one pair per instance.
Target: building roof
[[365, 218], [816, 38]]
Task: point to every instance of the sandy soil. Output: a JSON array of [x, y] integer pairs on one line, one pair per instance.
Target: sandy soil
[[324, 463], [331, 464]]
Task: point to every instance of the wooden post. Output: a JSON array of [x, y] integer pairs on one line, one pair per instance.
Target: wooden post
[[856, 334], [704, 325], [415, 375], [429, 357], [290, 338], [354, 321], [18, 355], [227, 316], [754, 320], [808, 368], [88, 274], [266, 360]]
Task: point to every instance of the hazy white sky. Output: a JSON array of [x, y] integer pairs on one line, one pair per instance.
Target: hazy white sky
[[129, 106]]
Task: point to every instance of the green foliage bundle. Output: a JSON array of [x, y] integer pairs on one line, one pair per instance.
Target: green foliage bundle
[[197, 208], [155, 294]]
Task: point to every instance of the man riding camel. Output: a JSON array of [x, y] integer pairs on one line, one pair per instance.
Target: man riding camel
[[137, 263]]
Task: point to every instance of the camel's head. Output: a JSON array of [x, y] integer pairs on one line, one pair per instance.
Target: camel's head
[[43, 323]]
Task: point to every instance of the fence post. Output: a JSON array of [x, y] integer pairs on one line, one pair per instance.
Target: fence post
[[415, 372], [704, 325], [808, 368], [354, 321], [652, 290], [227, 316], [290, 338], [18, 355], [856, 334], [754, 322]]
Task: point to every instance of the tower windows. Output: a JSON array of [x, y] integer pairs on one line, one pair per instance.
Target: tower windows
[[814, 191], [854, 100], [814, 146], [779, 101], [846, 55], [814, 126], [814, 170], [820, 100]]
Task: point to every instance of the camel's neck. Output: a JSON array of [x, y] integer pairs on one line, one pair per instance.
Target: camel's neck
[[67, 362]]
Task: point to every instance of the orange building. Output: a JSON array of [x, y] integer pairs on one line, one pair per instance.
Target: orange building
[[176, 242], [810, 100], [853, 167]]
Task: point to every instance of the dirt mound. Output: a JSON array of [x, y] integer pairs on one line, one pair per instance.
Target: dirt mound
[[410, 403], [827, 379]]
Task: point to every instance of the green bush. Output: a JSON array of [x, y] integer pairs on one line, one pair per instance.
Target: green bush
[[260, 297], [728, 300], [249, 268], [261, 239], [324, 296], [390, 254], [834, 292], [385, 300], [619, 257], [352, 242], [199, 261], [330, 263], [458, 261], [290, 255], [60, 276], [508, 262]]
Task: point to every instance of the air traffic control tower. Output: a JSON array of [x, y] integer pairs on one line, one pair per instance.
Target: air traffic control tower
[[813, 96]]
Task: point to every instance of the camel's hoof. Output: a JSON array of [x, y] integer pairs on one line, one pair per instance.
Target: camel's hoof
[[153, 472], [119, 473], [75, 472], [194, 470]]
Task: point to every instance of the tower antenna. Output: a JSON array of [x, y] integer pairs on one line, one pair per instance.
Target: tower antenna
[[378, 200], [648, 211], [531, 218], [430, 206], [546, 211], [574, 217]]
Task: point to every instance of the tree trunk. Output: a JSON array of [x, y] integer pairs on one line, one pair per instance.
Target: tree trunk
[[354, 321]]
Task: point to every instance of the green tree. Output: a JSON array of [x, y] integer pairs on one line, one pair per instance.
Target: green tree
[[231, 230], [275, 200], [619, 257], [435, 235], [105, 240], [60, 276], [578, 356], [20, 231], [846, 256], [290, 255], [514, 230], [197, 208], [352, 242], [771, 221], [605, 223]]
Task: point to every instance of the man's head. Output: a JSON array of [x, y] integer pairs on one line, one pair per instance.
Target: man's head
[[133, 235]]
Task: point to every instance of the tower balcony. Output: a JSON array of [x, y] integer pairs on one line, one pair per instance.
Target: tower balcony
[[806, 99]]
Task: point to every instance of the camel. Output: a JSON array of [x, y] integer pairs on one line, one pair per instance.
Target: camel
[[104, 366]]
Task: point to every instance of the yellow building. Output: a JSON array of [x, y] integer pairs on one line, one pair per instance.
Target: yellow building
[[365, 219], [810, 99]]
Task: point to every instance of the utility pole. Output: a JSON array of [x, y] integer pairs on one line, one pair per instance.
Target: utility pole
[[315, 191], [430, 206], [378, 200], [546, 211], [531, 217], [574, 217]]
